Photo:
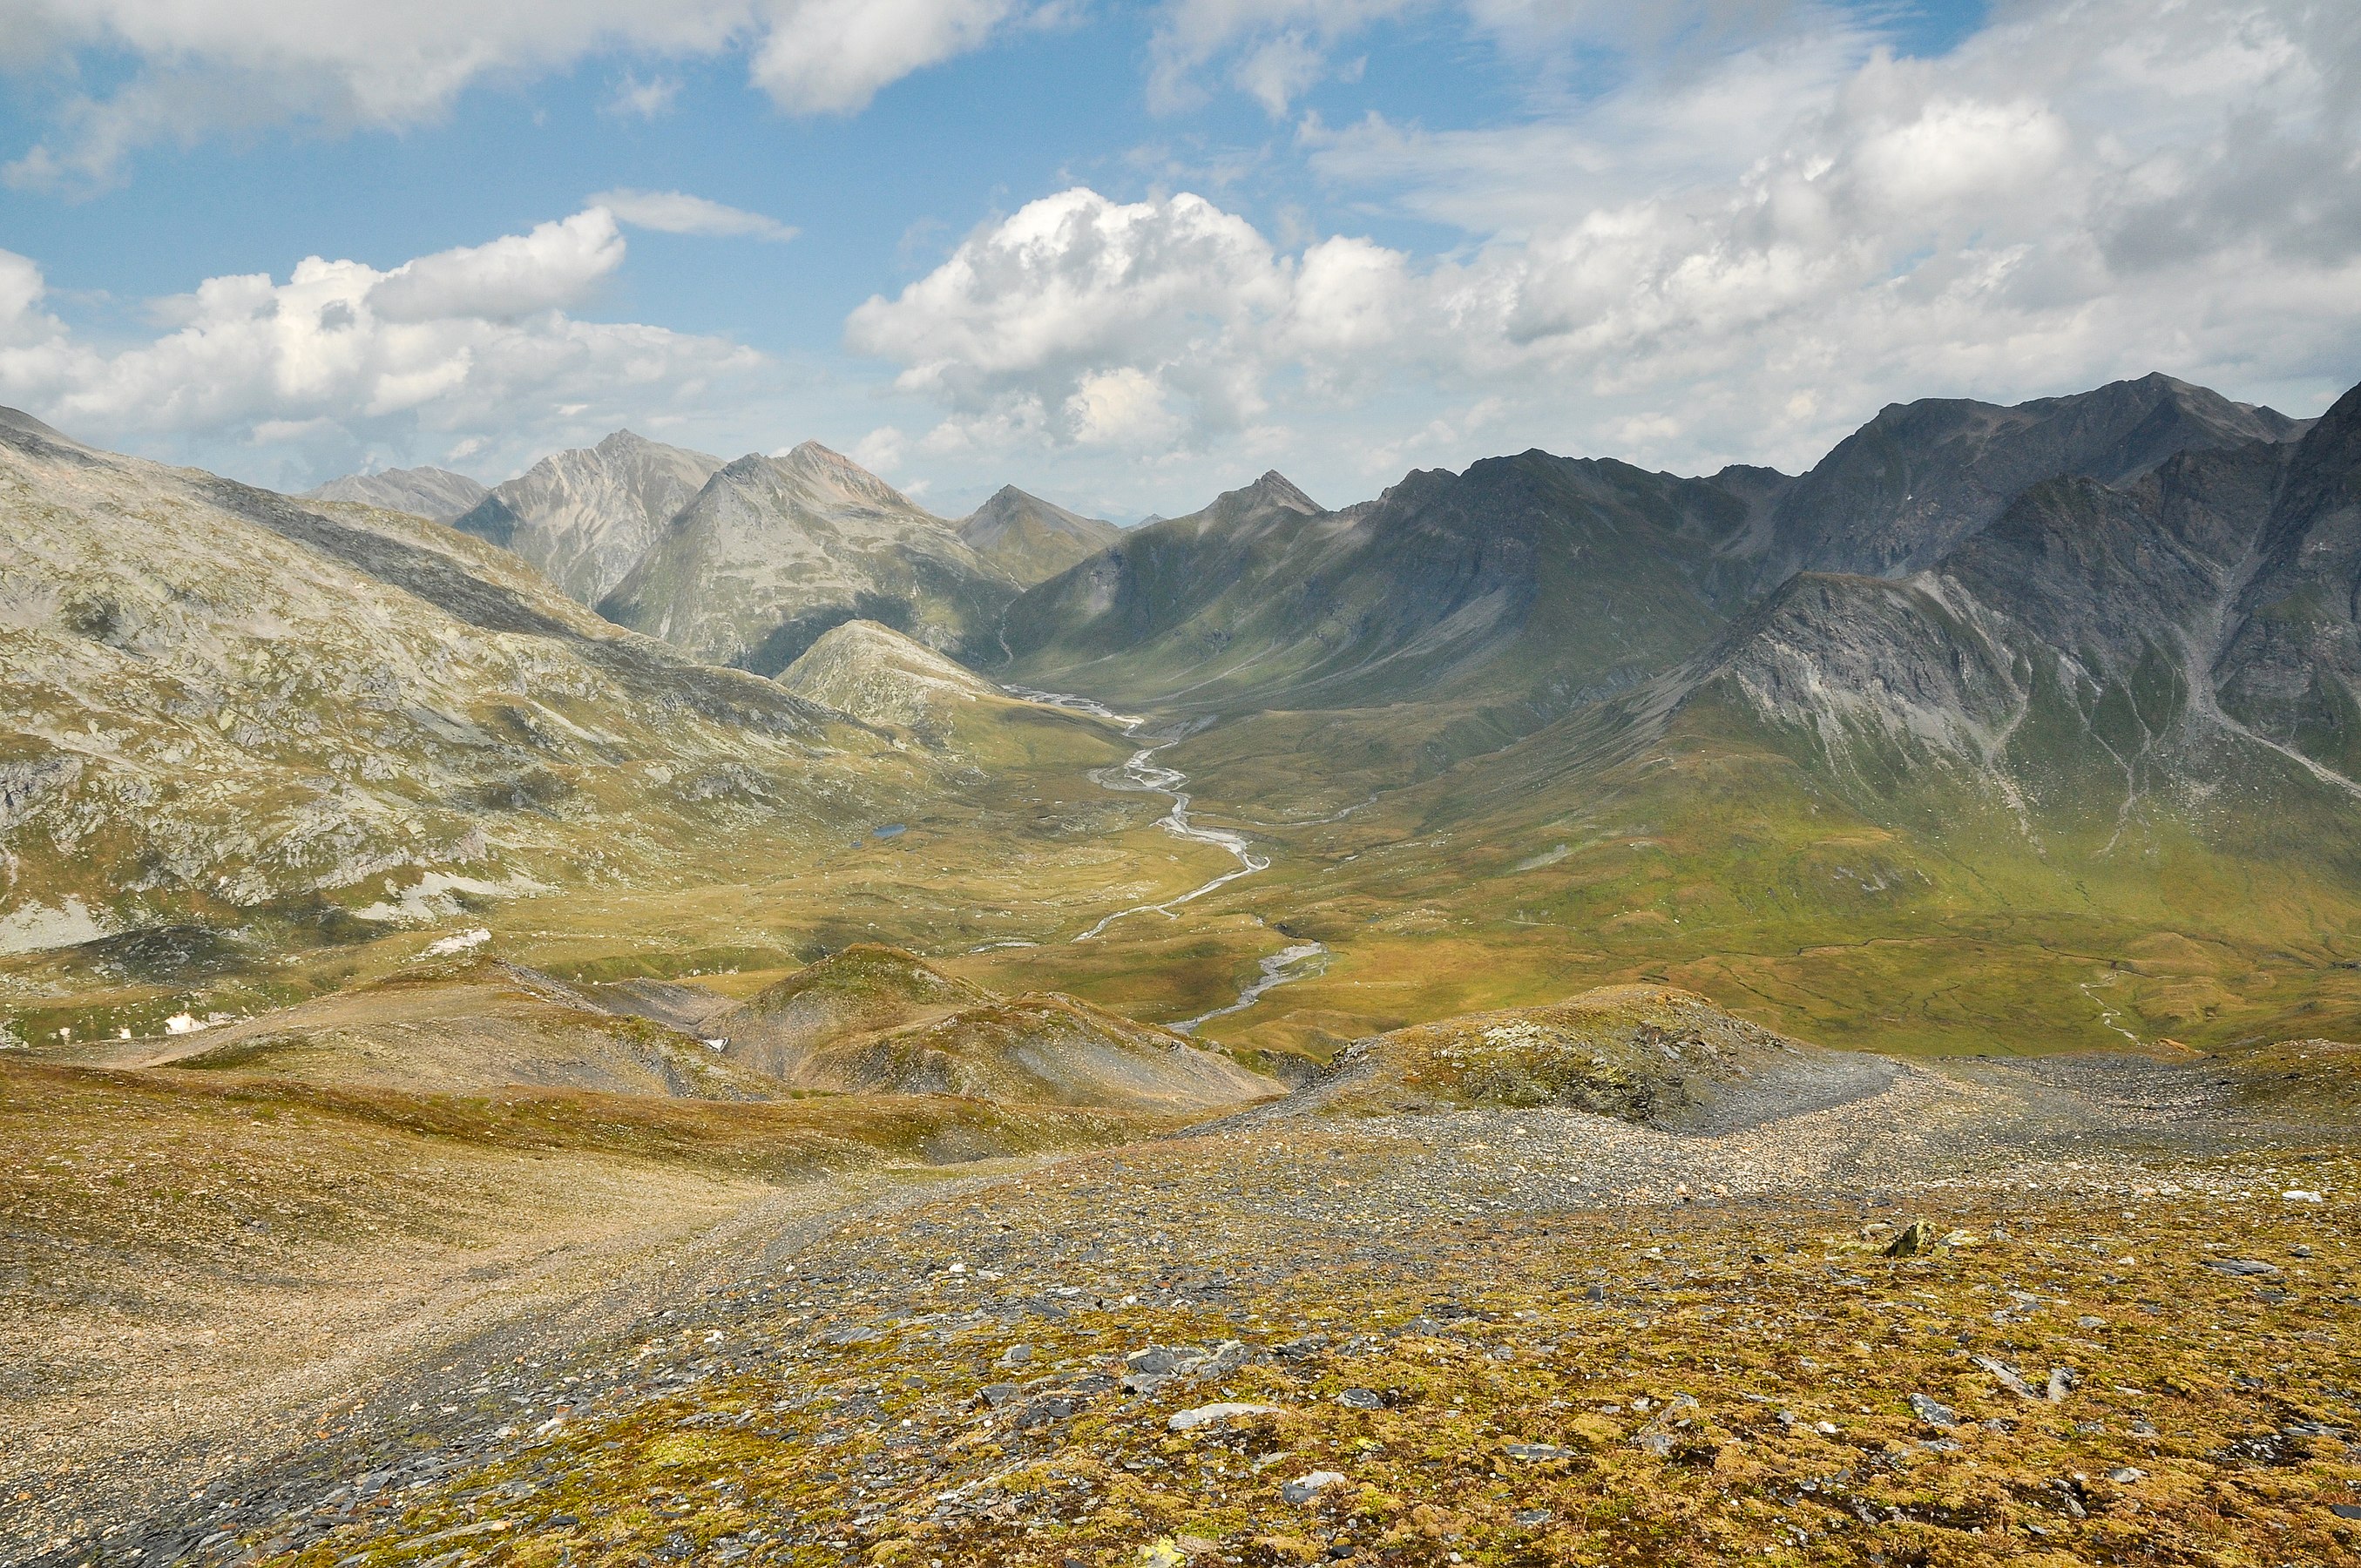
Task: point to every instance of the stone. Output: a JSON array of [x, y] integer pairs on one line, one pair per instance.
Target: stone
[[1214, 1415], [2254, 1266], [1916, 1237], [1227, 1357], [1046, 1408], [1015, 1356], [2007, 1376], [1536, 1452], [1935, 1414], [1303, 1488], [1361, 1399]]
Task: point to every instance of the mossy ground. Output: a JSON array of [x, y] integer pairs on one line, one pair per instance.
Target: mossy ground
[[1677, 1384]]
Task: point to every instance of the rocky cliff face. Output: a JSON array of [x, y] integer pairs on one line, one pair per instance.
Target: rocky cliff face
[[428, 492], [2289, 664], [774, 551], [585, 518]]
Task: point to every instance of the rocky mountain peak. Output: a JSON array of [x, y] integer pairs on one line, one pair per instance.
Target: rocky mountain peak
[[587, 516], [1276, 489], [618, 443], [434, 493], [835, 478]]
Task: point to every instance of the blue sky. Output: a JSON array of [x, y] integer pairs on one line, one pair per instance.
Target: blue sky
[[1126, 255]]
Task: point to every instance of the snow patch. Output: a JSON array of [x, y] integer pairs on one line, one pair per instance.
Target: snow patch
[[457, 943]]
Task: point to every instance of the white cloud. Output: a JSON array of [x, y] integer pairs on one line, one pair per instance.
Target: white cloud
[[832, 56], [672, 212], [244, 65], [881, 450], [1277, 48], [517, 275], [1740, 258], [464, 352], [1062, 319], [649, 100]]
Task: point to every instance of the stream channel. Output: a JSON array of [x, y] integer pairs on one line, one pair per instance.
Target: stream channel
[[1144, 773]]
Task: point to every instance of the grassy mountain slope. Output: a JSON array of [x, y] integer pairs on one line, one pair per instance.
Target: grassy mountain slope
[[1532, 579], [2008, 803], [220, 698], [252, 742], [1028, 540], [880, 676], [451, 1028]]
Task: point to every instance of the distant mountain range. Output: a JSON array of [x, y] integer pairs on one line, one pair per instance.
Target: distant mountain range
[[747, 563], [1548, 581], [2049, 668]]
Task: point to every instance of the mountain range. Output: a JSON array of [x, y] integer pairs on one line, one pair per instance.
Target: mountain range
[[2010, 687], [746, 562]]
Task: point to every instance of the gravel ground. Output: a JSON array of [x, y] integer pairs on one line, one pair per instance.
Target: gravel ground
[[1236, 1234]]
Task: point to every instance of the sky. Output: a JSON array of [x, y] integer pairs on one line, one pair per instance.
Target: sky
[[1125, 255]]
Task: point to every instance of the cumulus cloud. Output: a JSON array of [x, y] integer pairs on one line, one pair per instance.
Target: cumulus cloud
[[458, 353], [241, 64], [1740, 260], [672, 212], [1082, 319], [517, 275]]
